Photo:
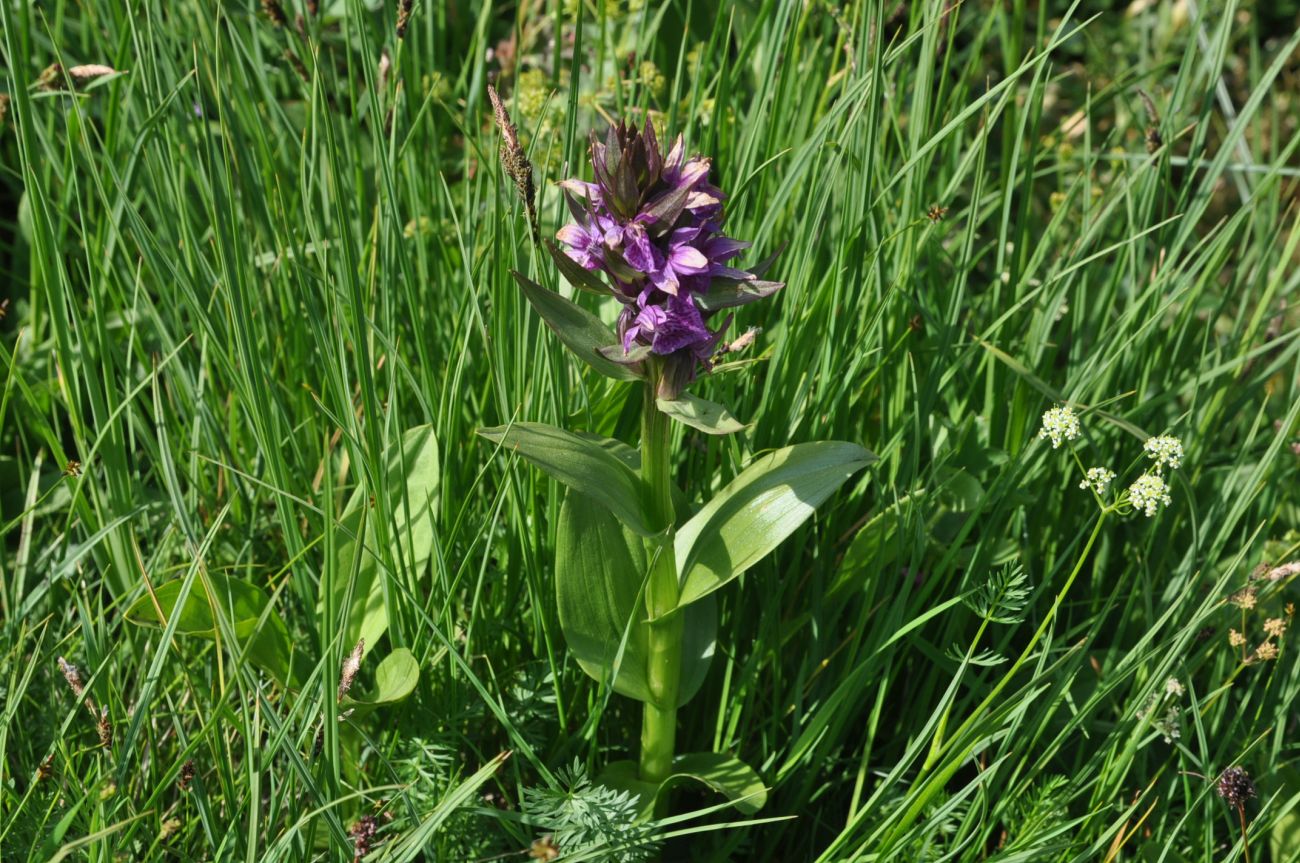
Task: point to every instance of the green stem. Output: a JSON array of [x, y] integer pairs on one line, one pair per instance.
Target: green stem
[[659, 722], [939, 747]]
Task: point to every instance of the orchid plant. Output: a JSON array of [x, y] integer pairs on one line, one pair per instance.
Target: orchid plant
[[637, 567]]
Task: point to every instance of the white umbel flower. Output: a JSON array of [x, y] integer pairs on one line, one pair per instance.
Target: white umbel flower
[[1165, 451], [1174, 687], [1059, 424], [1148, 493], [1098, 479]]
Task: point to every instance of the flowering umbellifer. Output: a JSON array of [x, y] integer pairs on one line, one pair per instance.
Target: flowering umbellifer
[[652, 224], [1059, 424]]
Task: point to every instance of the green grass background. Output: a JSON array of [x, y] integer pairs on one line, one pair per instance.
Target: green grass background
[[239, 271]]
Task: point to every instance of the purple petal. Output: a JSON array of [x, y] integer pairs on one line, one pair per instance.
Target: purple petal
[[680, 326], [688, 260], [665, 280], [719, 249], [574, 235], [638, 251]]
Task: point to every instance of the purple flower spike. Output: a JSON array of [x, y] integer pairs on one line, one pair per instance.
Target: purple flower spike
[[653, 225]]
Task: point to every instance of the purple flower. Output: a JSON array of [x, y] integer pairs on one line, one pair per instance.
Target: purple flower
[[653, 225]]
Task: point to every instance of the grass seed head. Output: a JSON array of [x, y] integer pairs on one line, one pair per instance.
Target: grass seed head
[[275, 12], [515, 161], [544, 849], [351, 666], [404, 8]]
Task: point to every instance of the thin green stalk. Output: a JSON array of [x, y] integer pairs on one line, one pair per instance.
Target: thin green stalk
[[938, 749], [659, 723]]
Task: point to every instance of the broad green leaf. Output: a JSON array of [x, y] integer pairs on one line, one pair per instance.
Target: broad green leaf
[[758, 509], [701, 414], [725, 774], [395, 679], [583, 463], [600, 567], [580, 330], [1285, 835], [413, 477], [876, 545], [242, 604]]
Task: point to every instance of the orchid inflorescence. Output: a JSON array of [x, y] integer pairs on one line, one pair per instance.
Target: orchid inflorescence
[[652, 224]]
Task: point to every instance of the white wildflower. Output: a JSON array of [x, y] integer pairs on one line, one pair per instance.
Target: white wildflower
[[1165, 450], [1173, 687], [1098, 479], [1169, 725], [1059, 424], [1148, 493]]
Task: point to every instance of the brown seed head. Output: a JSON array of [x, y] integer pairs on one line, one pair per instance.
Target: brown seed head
[[45, 769], [744, 340], [936, 213], [363, 836], [404, 8], [186, 777], [91, 71], [544, 849], [1235, 786], [72, 468], [351, 666], [514, 160], [51, 78], [104, 728], [73, 675], [275, 12]]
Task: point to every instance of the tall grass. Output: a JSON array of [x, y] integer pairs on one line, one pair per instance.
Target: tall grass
[[238, 271]]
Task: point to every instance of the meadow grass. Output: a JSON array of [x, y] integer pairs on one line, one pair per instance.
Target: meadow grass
[[239, 271]]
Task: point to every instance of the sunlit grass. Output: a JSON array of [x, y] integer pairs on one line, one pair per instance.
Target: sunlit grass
[[241, 270]]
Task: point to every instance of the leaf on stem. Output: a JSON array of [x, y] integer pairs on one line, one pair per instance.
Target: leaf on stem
[[583, 463], [579, 330], [758, 509], [701, 414], [600, 569]]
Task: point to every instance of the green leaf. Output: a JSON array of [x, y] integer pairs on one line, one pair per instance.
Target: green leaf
[[758, 509], [413, 478], [580, 330], [725, 774], [241, 603], [600, 567], [877, 545], [726, 294], [616, 354], [701, 414], [395, 679], [583, 463], [1285, 835]]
